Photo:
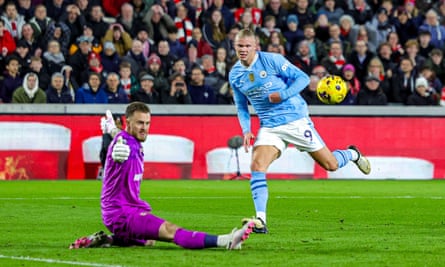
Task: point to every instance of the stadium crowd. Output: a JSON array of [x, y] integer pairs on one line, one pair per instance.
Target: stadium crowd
[[180, 51]]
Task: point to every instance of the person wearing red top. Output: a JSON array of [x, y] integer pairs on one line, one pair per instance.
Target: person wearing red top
[[7, 43], [256, 12], [112, 8]]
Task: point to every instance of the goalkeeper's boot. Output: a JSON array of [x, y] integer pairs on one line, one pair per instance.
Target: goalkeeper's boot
[[362, 162], [96, 240], [259, 227], [238, 236]]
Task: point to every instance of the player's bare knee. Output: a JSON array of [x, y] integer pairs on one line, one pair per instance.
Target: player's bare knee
[[167, 231], [256, 166]]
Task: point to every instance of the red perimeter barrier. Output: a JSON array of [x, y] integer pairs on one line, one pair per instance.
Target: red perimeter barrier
[[419, 137]]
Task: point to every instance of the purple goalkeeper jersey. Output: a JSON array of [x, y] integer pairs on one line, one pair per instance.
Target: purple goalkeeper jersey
[[122, 181]]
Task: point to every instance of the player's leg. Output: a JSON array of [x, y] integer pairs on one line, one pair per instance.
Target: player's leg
[[146, 226]]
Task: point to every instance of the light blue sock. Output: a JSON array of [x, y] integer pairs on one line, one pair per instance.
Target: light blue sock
[[260, 193], [343, 157]]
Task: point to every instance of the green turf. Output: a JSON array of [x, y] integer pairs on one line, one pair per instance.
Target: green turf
[[311, 223]]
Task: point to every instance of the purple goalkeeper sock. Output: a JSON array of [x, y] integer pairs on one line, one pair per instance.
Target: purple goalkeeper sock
[[189, 239]]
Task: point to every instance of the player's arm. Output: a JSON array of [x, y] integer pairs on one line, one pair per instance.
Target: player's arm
[[121, 151], [297, 79], [241, 103]]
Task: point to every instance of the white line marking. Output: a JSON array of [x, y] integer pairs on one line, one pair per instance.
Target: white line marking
[[234, 197], [26, 258]]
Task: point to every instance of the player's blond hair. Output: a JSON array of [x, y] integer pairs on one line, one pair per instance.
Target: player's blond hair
[[245, 33]]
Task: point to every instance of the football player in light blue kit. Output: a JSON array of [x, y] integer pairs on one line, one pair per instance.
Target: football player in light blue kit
[[125, 214], [272, 85]]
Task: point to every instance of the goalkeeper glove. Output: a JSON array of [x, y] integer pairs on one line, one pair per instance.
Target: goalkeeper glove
[[121, 151], [107, 124]]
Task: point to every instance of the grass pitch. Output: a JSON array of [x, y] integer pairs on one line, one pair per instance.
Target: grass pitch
[[311, 223]]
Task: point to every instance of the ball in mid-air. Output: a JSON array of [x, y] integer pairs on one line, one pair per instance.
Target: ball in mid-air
[[332, 89]]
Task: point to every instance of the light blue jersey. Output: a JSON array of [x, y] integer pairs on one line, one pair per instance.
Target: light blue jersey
[[268, 73]]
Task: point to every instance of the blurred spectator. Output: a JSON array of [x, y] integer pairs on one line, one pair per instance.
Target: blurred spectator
[[94, 65], [119, 37], [25, 8], [147, 92], [275, 43], [37, 67], [396, 47], [154, 69], [13, 21], [96, 45], [309, 93], [432, 79], [371, 93], [269, 27], [128, 79], [128, 20], [231, 54], [31, 42], [404, 25], [214, 31], [249, 7], [201, 45], [183, 24], [167, 58], [384, 53], [176, 47], [212, 77], [40, 22], [360, 11], [91, 93], [346, 23], [425, 46], [57, 92], [335, 60], [179, 66], [275, 9], [333, 12], [365, 33], [142, 36], [79, 60], [200, 92], [114, 91], [157, 23], [69, 80], [135, 57], [24, 57], [353, 84], [141, 7], [302, 59], [96, 20], [60, 32], [335, 35], [178, 91], [55, 8], [320, 71], [75, 20], [246, 22], [423, 95], [110, 59], [318, 52], [53, 58], [322, 27], [360, 58], [227, 15], [375, 68], [437, 63], [11, 79], [293, 34], [403, 81], [222, 63], [29, 92], [437, 31], [304, 14], [382, 24], [412, 51]]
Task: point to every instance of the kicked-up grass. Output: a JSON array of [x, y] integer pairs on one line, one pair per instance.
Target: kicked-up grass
[[311, 223]]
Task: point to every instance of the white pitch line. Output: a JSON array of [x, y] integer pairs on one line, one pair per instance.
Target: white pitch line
[[236, 197], [26, 258]]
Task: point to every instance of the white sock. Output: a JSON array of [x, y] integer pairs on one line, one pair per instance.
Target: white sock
[[223, 240], [354, 154], [261, 215]]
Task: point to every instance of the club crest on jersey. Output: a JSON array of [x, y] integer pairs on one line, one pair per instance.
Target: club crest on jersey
[[251, 77], [263, 74]]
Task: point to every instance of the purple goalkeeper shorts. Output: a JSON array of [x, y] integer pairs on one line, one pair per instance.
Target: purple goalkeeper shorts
[[135, 228]]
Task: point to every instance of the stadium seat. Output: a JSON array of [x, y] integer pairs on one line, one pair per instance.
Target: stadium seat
[[403, 168], [293, 164], [166, 156], [31, 150]]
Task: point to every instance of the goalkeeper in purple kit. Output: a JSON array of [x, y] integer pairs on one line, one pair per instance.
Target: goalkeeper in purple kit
[[129, 218], [272, 85]]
